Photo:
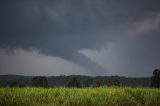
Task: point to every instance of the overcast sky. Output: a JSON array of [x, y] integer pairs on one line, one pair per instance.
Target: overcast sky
[[86, 37]]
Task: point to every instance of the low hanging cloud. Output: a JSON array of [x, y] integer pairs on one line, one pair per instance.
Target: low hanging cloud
[[32, 62]]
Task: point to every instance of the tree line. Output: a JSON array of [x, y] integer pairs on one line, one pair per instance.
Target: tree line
[[42, 81]]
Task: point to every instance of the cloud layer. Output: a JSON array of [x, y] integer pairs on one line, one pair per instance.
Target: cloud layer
[[121, 36]]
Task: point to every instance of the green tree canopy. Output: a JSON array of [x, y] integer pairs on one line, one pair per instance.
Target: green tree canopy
[[39, 81], [74, 83]]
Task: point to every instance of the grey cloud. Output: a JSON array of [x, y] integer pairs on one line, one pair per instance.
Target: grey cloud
[[70, 31], [62, 28], [150, 22]]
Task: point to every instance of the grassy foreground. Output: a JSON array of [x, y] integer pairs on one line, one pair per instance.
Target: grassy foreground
[[102, 96]]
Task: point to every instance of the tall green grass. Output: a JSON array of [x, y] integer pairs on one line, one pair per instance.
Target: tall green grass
[[102, 96]]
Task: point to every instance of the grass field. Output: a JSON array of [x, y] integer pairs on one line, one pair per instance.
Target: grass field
[[102, 96]]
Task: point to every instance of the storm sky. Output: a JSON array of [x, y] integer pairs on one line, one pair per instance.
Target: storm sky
[[86, 37]]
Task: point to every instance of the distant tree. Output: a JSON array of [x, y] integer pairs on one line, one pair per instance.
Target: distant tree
[[74, 83], [14, 84], [155, 80], [4, 83], [112, 82], [116, 82], [98, 83], [1, 84], [39, 81], [88, 82]]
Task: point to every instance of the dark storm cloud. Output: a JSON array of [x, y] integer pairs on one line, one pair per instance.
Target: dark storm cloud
[[62, 27]]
